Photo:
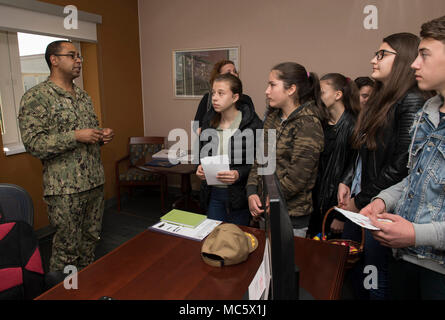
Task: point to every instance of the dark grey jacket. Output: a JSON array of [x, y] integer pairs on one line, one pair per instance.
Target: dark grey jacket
[[237, 191]]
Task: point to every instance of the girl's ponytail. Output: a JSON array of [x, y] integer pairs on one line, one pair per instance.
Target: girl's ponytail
[[348, 88]]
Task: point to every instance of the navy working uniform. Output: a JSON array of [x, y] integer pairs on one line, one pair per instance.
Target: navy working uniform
[[73, 175]]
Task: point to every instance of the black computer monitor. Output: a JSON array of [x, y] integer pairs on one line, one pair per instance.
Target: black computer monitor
[[279, 232]]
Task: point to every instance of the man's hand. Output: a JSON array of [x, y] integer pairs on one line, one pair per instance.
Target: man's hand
[[228, 177], [108, 135], [200, 173], [396, 234], [374, 208], [255, 205], [89, 136]]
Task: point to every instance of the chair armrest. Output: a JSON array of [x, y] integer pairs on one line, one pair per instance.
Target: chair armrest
[[118, 162], [122, 159]]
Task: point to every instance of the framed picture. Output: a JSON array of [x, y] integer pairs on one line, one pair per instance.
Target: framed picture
[[191, 69]]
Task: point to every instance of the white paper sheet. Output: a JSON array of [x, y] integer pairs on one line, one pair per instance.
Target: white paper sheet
[[180, 156], [259, 287], [360, 219], [213, 165], [198, 233]]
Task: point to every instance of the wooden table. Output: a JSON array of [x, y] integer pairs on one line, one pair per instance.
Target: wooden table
[[158, 266], [185, 170]]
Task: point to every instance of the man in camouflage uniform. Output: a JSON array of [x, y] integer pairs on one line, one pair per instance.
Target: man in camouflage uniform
[[58, 125]]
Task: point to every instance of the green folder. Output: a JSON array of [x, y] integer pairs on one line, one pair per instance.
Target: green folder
[[183, 218]]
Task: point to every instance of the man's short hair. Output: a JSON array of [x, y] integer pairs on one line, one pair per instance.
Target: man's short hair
[[434, 29], [364, 81], [53, 48]]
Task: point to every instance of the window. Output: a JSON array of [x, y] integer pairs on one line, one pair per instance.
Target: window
[[22, 66]]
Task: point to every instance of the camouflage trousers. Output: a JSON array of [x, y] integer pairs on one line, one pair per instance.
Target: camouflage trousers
[[77, 219]]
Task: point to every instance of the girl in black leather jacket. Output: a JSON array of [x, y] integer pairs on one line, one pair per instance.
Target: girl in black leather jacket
[[382, 139], [382, 131], [340, 97]]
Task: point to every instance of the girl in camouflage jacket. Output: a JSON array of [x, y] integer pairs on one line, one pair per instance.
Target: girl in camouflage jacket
[[293, 96]]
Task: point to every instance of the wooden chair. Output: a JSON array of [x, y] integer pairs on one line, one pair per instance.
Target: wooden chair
[[322, 267], [138, 149]]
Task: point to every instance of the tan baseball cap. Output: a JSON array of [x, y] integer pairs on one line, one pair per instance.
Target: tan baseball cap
[[226, 245]]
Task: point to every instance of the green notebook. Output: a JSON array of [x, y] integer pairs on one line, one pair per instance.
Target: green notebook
[[183, 218]]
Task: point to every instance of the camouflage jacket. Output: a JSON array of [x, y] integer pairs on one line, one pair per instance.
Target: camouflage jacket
[[299, 142], [48, 117]]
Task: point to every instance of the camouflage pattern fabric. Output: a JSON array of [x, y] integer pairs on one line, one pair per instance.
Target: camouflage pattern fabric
[[73, 175], [48, 117], [135, 174], [78, 222], [300, 141], [140, 151]]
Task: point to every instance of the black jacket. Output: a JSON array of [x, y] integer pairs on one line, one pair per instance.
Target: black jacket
[[387, 165], [21, 269], [237, 191], [337, 157], [206, 105]]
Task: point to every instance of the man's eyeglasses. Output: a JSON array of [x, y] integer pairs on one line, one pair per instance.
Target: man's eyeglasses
[[382, 53], [72, 55]]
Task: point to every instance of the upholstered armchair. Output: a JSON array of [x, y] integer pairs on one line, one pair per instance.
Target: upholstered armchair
[[128, 175]]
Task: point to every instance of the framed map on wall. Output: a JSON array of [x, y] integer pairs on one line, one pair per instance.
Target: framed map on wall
[[191, 69]]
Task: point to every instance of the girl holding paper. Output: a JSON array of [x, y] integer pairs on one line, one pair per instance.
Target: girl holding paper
[[228, 129], [381, 136]]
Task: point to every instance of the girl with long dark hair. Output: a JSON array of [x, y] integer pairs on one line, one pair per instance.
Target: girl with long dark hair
[[381, 136], [295, 112], [340, 97]]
